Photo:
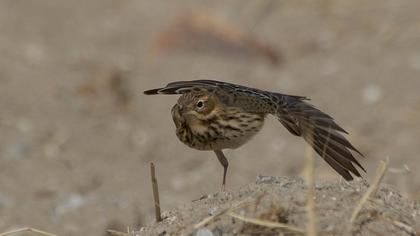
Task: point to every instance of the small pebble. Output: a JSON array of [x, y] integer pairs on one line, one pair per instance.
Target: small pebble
[[265, 179], [212, 210]]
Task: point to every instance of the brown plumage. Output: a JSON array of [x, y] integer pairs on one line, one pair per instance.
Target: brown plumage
[[214, 115]]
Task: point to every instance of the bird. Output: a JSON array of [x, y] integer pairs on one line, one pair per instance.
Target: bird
[[213, 116]]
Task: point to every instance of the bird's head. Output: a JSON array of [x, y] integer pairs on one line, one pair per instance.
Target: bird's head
[[195, 108]]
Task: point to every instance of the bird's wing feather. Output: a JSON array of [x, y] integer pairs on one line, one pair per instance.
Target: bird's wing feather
[[321, 132], [181, 87], [248, 99]]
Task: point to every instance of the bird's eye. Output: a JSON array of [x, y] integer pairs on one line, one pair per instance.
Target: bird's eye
[[200, 104]]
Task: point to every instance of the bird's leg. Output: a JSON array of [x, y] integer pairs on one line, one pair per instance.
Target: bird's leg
[[225, 164]]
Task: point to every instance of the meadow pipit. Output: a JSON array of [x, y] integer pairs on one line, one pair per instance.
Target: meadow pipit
[[214, 115]]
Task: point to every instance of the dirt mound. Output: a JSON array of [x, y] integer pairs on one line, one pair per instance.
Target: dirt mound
[[262, 207]]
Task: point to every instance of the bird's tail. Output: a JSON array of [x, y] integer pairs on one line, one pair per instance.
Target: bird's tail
[[321, 132]]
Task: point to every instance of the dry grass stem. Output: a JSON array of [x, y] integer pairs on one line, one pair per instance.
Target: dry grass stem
[[155, 192], [28, 229], [404, 170], [404, 227], [312, 227], [116, 233], [207, 220], [410, 230], [380, 172], [266, 223]]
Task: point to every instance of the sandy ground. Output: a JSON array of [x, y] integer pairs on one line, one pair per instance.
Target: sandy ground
[[283, 200], [77, 134]]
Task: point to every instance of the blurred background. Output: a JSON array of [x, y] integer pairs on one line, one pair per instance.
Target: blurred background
[[77, 134]]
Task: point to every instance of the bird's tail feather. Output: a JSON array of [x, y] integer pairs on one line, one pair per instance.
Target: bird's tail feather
[[321, 132]]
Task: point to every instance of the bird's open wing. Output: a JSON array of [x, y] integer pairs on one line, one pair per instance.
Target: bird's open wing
[[181, 87], [248, 99], [321, 132]]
